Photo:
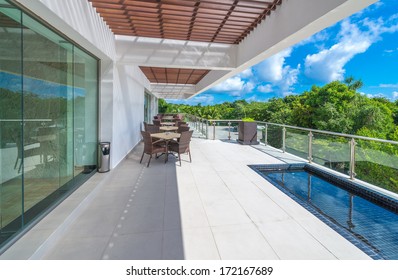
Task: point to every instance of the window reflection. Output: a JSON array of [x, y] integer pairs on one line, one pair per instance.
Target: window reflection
[[48, 118]]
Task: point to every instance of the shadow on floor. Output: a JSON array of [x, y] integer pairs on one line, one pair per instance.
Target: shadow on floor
[[133, 214]]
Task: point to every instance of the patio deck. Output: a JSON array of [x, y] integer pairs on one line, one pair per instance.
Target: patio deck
[[213, 208]]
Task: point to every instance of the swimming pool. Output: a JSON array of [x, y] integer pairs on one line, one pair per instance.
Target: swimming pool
[[367, 218]]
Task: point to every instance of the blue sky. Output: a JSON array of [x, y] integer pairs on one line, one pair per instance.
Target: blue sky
[[364, 46]]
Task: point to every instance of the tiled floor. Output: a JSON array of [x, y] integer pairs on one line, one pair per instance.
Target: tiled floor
[[213, 208]]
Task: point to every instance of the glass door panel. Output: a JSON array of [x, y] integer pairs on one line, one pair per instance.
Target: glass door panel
[[47, 97], [11, 148], [85, 112]]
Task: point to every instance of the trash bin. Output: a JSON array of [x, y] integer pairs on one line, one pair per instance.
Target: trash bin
[[104, 149]]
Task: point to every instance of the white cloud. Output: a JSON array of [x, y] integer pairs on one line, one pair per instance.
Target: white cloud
[[318, 37], [271, 69], [328, 64], [265, 88], [235, 86], [290, 78], [395, 95], [370, 95], [388, 85], [232, 84], [248, 87], [204, 99], [246, 73], [279, 77]]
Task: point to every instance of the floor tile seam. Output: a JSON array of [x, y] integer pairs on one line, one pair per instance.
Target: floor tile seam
[[208, 222], [296, 221], [254, 223], [316, 239], [140, 232], [222, 180], [279, 157], [107, 236], [163, 220], [129, 200], [231, 225], [61, 230], [266, 240], [284, 197]]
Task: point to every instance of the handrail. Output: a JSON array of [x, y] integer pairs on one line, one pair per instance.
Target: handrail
[[309, 130], [333, 133]]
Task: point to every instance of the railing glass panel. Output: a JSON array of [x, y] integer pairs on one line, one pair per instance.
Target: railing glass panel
[[275, 136], [377, 163], [331, 151], [297, 142]]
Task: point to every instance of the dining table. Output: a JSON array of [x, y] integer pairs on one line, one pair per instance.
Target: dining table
[[168, 128], [167, 137], [170, 118], [167, 124]]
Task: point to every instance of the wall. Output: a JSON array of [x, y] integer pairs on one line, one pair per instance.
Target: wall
[[128, 107]]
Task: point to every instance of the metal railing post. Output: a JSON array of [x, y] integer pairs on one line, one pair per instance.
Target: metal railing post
[[214, 130], [229, 131], [207, 129], [352, 159], [284, 139], [266, 135], [310, 138]]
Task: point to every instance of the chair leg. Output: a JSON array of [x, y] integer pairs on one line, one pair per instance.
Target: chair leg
[[142, 156], [179, 157], [189, 152], [149, 160], [20, 166]]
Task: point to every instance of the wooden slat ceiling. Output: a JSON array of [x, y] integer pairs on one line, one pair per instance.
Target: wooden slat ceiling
[[173, 75], [219, 21], [211, 21]]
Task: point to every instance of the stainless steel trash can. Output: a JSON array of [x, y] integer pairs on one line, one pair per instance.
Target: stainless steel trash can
[[104, 149]]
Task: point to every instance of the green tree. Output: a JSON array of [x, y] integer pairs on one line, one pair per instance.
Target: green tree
[[162, 106]]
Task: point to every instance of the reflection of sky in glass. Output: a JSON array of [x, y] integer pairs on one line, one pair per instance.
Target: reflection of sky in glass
[[44, 89]]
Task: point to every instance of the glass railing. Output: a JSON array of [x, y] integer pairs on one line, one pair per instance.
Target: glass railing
[[371, 160]]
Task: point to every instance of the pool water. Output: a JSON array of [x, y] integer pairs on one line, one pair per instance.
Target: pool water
[[373, 228]]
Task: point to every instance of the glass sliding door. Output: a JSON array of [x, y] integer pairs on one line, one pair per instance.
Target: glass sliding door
[[147, 107], [48, 113], [48, 118], [11, 147], [85, 116]]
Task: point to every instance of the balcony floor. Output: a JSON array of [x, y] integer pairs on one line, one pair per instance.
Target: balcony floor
[[213, 208]]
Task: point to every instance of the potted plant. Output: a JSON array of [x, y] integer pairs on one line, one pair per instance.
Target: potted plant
[[247, 132]]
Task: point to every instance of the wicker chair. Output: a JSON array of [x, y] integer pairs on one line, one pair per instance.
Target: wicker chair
[[182, 128], [152, 147], [156, 122], [151, 128], [182, 145]]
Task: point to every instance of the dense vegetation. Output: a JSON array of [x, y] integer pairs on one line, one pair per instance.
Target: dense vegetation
[[337, 107]]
